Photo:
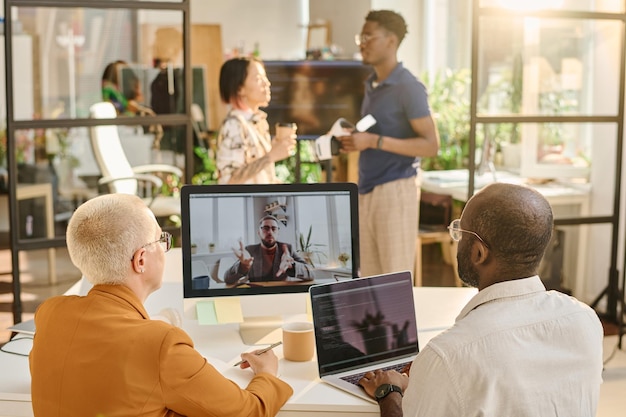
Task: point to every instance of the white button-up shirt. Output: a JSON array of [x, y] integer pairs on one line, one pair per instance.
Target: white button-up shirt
[[515, 350]]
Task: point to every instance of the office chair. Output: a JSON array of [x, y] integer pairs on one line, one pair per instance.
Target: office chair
[[198, 123], [120, 176]]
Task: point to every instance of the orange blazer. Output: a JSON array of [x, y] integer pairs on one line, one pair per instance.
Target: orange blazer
[[101, 355]]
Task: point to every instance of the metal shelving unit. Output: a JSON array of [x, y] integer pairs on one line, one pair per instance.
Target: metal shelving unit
[[183, 119]]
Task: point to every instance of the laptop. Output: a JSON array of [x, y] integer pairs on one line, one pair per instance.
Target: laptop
[[26, 327], [361, 325]]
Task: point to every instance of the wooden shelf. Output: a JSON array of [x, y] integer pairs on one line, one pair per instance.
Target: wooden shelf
[[277, 210]]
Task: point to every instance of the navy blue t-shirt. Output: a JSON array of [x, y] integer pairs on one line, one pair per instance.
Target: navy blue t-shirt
[[393, 103]]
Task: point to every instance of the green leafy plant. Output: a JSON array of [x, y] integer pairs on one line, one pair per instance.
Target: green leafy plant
[[448, 95], [449, 99], [308, 248], [205, 166], [310, 169]]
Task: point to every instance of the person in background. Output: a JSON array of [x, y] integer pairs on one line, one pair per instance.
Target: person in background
[[390, 151], [113, 91], [245, 152], [269, 260], [515, 349], [100, 354]]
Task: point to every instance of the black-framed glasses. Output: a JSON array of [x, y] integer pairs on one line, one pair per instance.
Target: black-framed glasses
[[268, 228], [456, 233], [165, 241], [361, 39]]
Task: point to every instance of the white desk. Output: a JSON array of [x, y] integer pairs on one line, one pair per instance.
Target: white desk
[[567, 200], [454, 182], [436, 310]]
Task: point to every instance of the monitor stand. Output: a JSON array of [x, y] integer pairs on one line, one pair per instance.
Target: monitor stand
[[255, 330]]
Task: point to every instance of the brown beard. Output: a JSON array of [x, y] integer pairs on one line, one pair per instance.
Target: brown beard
[[266, 244]]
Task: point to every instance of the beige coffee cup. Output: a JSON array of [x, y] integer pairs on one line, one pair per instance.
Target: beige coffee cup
[[298, 341], [286, 130]]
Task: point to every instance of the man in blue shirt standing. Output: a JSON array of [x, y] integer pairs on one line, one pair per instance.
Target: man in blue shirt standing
[[391, 150]]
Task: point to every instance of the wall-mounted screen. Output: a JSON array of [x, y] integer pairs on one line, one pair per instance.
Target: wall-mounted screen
[[314, 94]]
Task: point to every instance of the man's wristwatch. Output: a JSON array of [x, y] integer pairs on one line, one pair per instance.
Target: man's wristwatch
[[386, 389]]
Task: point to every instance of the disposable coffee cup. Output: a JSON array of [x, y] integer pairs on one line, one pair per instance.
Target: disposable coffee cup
[[286, 130], [298, 341]]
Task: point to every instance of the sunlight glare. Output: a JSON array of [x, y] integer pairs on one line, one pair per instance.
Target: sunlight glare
[[528, 5]]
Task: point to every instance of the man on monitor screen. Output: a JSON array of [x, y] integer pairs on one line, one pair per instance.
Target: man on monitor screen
[[269, 260]]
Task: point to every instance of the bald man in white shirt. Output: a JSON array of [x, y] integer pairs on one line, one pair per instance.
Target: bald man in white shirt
[[515, 349]]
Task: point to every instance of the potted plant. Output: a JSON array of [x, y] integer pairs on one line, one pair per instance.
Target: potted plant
[[449, 99], [205, 168], [343, 258], [308, 248], [448, 93], [194, 248], [211, 247]]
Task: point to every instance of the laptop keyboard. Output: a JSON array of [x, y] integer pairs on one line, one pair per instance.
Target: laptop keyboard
[[354, 379]]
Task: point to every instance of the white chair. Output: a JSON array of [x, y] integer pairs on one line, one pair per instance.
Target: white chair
[[120, 176], [198, 123]]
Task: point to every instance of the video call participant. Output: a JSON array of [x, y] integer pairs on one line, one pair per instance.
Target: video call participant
[[246, 152], [391, 150], [515, 349], [101, 355], [269, 260]]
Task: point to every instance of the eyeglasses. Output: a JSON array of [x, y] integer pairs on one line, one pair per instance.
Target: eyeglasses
[[361, 39], [165, 240], [456, 233], [268, 228]]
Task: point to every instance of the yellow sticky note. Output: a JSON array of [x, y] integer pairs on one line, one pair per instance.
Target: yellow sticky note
[[228, 310], [206, 312]]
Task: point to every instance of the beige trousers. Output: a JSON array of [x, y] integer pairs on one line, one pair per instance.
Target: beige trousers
[[388, 227]]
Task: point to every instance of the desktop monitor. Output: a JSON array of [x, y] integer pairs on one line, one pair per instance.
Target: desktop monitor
[[314, 94], [316, 225]]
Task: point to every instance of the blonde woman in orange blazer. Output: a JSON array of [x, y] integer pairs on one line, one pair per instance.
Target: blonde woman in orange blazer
[[102, 355]]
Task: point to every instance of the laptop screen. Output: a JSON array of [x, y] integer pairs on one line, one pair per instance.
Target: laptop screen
[[364, 321]]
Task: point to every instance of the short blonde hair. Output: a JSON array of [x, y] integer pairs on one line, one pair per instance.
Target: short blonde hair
[[104, 232]]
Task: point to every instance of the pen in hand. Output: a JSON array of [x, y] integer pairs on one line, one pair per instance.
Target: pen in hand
[[270, 347]]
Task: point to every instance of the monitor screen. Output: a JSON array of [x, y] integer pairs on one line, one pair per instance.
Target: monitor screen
[[267, 239], [314, 94]]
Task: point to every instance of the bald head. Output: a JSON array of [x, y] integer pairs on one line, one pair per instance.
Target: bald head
[[515, 221]]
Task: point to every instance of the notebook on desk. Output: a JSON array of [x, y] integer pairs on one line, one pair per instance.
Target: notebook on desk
[[361, 325]]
